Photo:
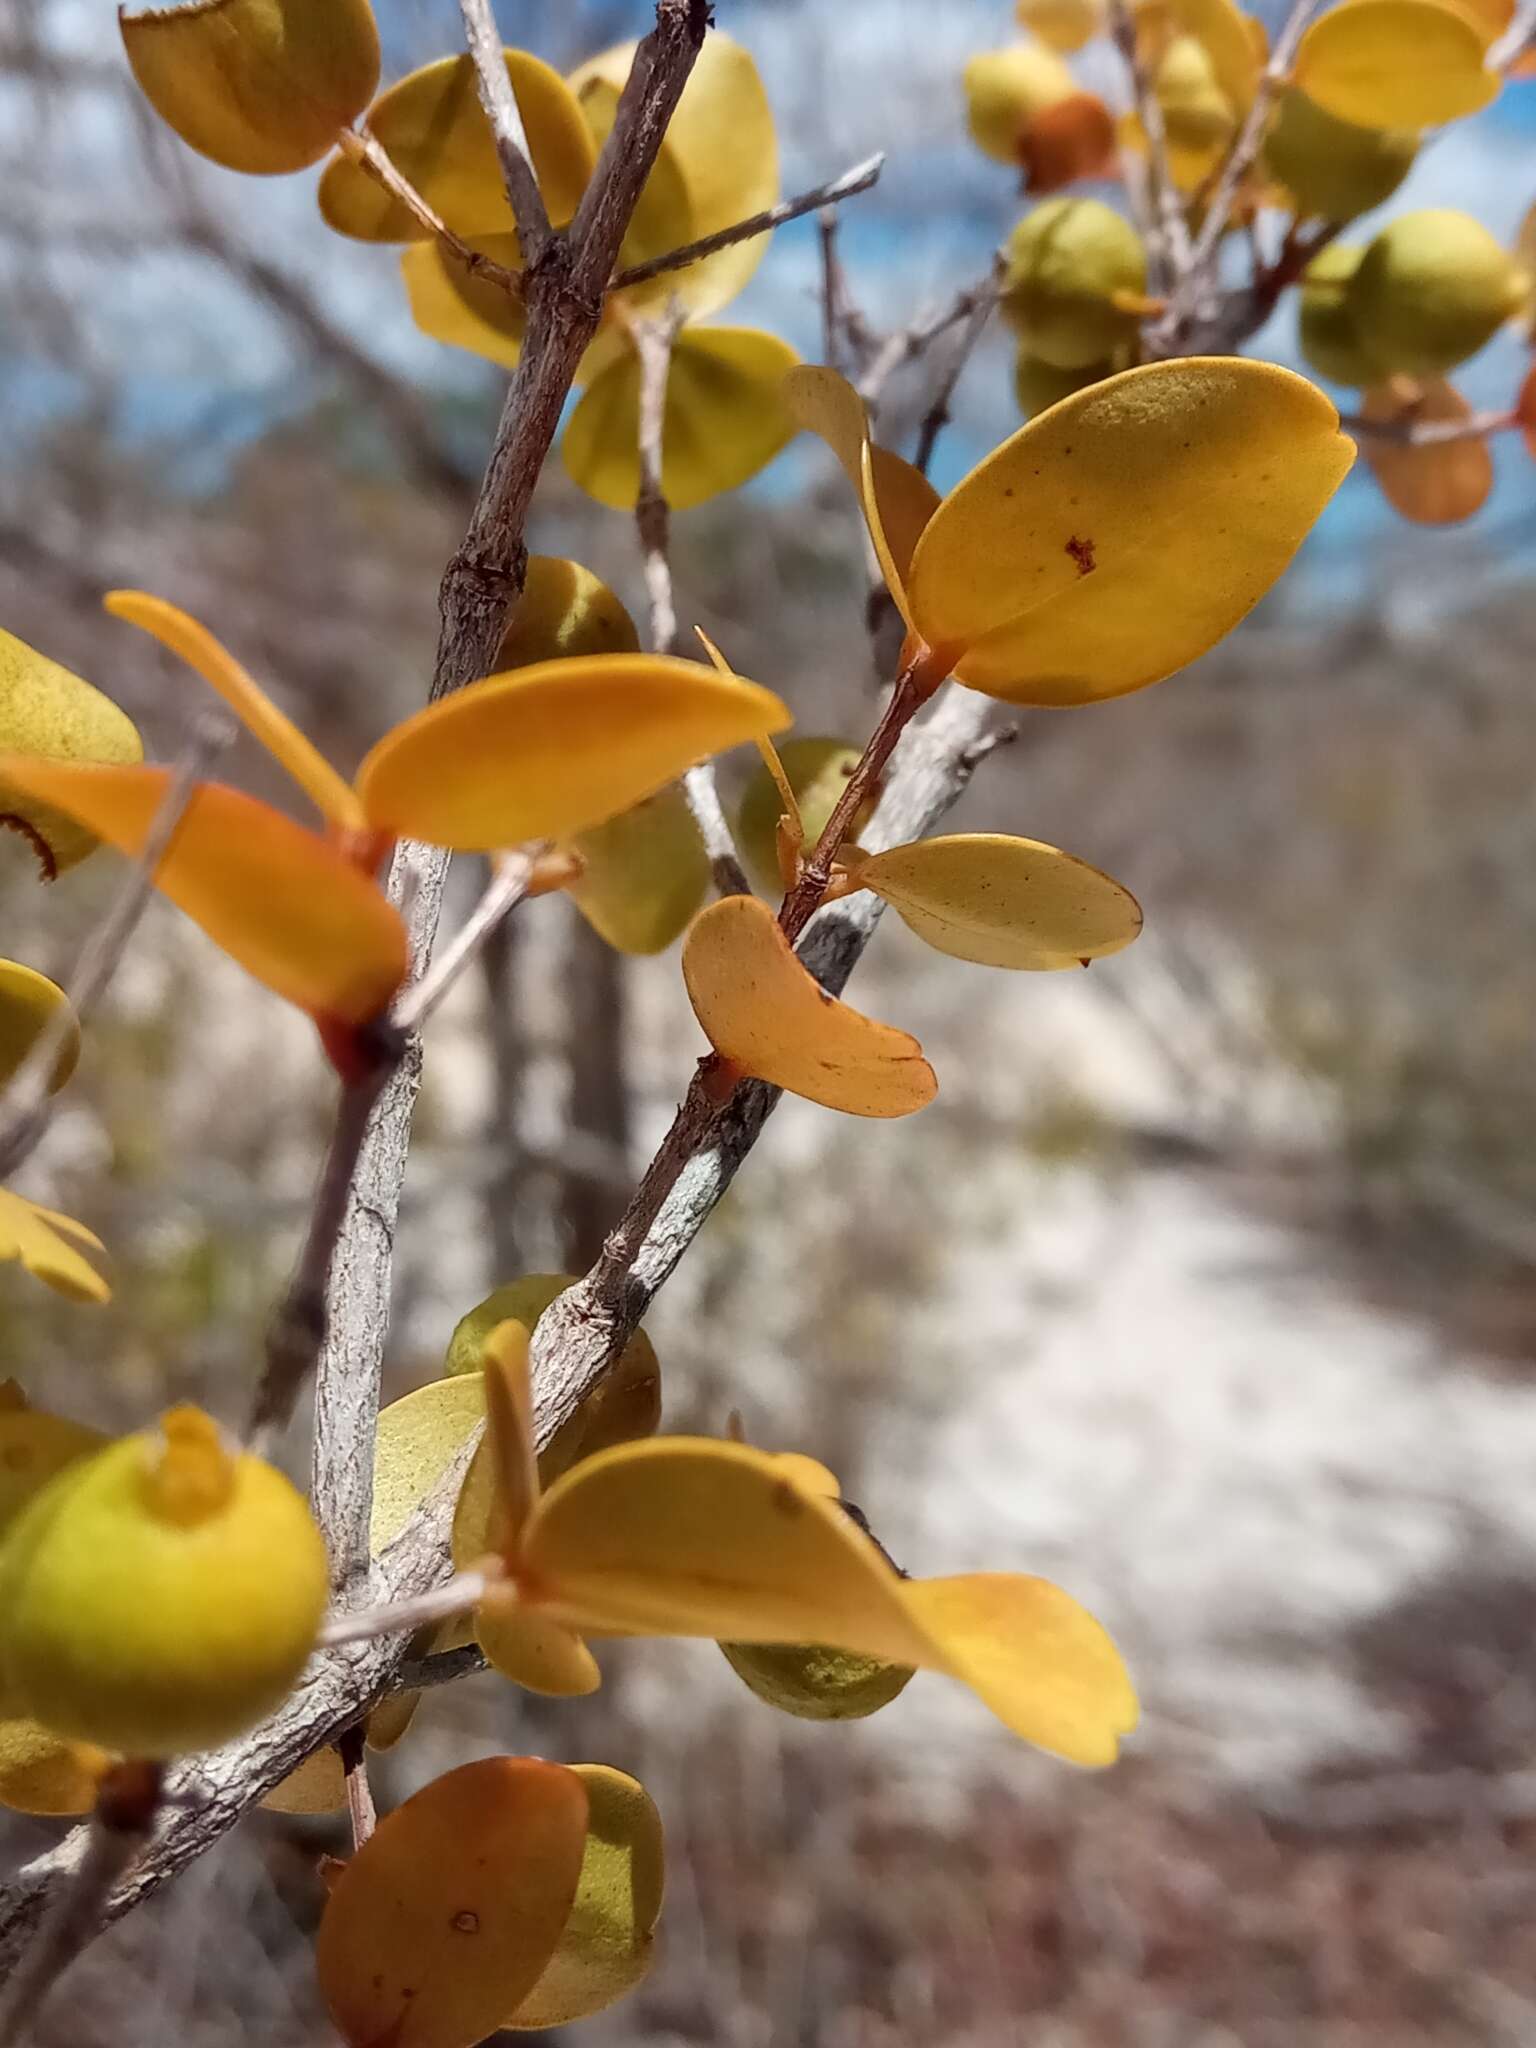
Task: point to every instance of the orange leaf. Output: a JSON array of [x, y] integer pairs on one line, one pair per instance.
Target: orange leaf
[[1437, 483], [290, 908]]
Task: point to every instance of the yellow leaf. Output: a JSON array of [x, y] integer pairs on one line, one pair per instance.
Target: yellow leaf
[[258, 85], [1126, 530], [34, 1445], [564, 610], [509, 1433], [447, 1917], [1394, 64], [897, 500], [44, 1773], [1435, 485], [762, 1010], [284, 903], [317, 1785], [1227, 36], [453, 306], [1042, 1664], [724, 419], [606, 1947], [29, 1002], [550, 750], [644, 874], [55, 1249], [391, 1718], [718, 165], [433, 129], [685, 1536], [1061, 24], [418, 1438], [817, 770], [534, 1652], [45, 710], [1004, 902]]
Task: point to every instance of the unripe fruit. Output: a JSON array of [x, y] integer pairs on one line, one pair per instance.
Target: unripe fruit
[[1431, 290], [161, 1596], [1066, 261], [1325, 323], [1005, 90], [1196, 112], [814, 1683], [1330, 167], [818, 772], [1038, 386], [564, 610]]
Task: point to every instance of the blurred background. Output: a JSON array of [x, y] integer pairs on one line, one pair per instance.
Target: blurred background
[[1207, 1287]]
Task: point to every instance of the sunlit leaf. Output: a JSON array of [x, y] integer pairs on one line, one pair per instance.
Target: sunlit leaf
[[1043, 1665], [689, 1537], [453, 306], [606, 1947], [1438, 484], [318, 1785], [258, 85], [1126, 530], [547, 751], [645, 873], [34, 1445], [29, 1004], [43, 1773], [433, 128], [187, 638], [55, 1249], [447, 1917], [1394, 64], [1004, 902], [718, 165], [724, 419], [45, 710], [284, 903], [761, 1009], [417, 1440], [898, 500], [535, 1652]]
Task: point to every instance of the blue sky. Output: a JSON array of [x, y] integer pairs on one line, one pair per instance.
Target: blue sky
[[845, 79]]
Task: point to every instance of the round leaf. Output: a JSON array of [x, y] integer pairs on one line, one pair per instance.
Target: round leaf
[[606, 1948], [284, 903], [1126, 530], [417, 1440], [45, 710], [536, 1653], [1004, 902], [550, 750], [1440, 483], [55, 1249], [29, 1002], [318, 1785], [447, 1917], [761, 1010], [1394, 64], [258, 85], [724, 419], [644, 874], [433, 129]]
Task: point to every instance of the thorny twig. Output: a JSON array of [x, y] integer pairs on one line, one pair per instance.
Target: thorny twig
[[936, 418], [25, 1098], [857, 180], [506, 123]]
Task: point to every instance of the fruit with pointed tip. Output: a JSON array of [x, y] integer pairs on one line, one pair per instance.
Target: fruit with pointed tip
[[1197, 114], [1071, 264], [1431, 290]]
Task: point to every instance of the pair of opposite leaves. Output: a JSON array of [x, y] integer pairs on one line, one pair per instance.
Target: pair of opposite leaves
[[265, 85]]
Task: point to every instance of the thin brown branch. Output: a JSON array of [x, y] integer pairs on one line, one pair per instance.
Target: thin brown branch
[[1168, 250], [937, 417], [501, 110], [369, 155], [511, 874], [25, 1098], [908, 343], [857, 180], [1408, 432], [361, 1812]]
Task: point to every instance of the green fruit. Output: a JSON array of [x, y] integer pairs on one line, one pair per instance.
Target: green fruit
[[161, 1596], [1431, 290], [816, 1684], [564, 610], [818, 771], [1066, 262], [1325, 322], [1038, 386], [1197, 114], [1330, 167], [645, 875], [1005, 90]]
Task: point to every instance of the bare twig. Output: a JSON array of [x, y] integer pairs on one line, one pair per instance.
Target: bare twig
[[369, 155], [1409, 432], [361, 1812], [859, 179], [25, 1098], [1168, 250], [511, 874], [936, 418], [501, 110], [906, 344]]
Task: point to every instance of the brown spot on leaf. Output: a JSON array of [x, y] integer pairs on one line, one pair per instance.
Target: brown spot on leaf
[[1081, 552], [466, 1922]]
